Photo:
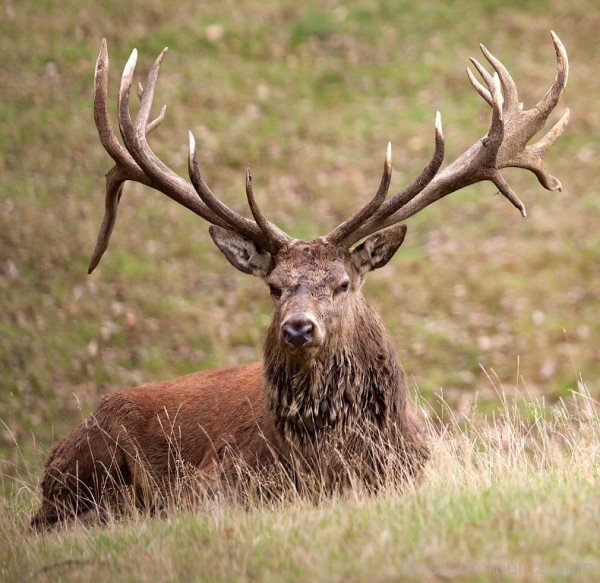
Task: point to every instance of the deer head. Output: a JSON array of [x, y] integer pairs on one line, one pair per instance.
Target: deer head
[[315, 285]]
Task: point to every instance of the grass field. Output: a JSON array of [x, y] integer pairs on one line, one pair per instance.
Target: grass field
[[507, 498], [307, 94]]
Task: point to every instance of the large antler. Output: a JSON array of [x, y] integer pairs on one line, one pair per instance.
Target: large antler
[[136, 161], [505, 145]]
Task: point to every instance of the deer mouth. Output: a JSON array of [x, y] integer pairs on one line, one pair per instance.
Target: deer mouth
[[293, 345], [308, 348]]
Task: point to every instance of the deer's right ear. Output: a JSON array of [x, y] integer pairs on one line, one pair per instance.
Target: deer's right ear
[[241, 252]]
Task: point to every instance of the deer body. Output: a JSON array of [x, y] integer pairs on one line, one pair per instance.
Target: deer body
[[330, 384], [319, 409], [134, 435]]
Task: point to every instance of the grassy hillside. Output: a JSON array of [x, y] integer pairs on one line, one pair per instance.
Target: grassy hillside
[[307, 94]]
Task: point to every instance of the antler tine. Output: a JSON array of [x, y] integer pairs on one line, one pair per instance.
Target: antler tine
[[511, 96], [531, 158], [106, 133], [548, 102], [147, 96], [343, 231], [158, 119], [235, 221], [493, 96], [426, 176], [542, 146], [125, 124], [496, 131], [506, 191], [405, 195], [479, 87], [277, 238], [482, 71], [114, 191]]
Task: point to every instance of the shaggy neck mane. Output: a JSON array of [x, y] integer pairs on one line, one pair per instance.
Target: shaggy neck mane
[[355, 377]]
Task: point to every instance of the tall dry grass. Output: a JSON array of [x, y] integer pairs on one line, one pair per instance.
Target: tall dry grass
[[513, 493]]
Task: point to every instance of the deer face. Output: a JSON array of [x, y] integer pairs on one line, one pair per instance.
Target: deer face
[[314, 285], [312, 288]]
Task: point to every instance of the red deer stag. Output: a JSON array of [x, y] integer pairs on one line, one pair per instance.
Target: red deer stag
[[330, 376]]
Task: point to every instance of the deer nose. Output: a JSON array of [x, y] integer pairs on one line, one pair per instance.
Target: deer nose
[[298, 331]]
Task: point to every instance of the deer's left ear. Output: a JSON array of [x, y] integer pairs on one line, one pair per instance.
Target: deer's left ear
[[378, 249]]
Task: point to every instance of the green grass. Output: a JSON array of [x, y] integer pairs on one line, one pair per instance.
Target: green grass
[[307, 94]]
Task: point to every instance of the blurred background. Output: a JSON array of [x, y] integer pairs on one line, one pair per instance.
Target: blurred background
[[307, 94]]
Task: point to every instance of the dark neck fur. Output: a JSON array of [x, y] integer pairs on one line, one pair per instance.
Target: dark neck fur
[[355, 377]]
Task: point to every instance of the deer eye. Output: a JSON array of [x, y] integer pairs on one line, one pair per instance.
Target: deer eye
[[342, 288], [275, 291]]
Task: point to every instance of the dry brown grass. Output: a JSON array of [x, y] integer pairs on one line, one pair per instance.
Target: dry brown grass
[[513, 495]]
